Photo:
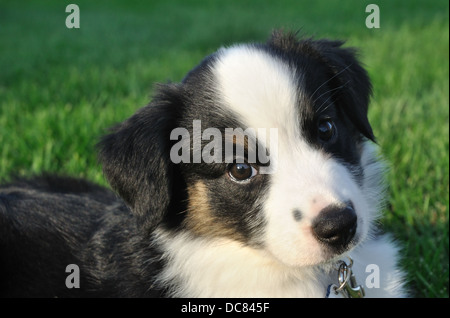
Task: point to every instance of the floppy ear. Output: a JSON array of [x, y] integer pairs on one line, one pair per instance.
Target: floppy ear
[[136, 157], [347, 72]]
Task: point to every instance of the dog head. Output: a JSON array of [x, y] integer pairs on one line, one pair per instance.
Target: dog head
[[318, 199]]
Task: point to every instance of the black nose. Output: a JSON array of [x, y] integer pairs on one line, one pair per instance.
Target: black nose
[[335, 225]]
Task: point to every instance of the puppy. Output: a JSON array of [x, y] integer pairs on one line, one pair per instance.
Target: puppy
[[193, 220]]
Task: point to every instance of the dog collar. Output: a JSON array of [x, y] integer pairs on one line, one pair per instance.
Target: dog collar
[[347, 286]]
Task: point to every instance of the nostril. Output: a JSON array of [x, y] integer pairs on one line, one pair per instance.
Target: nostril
[[335, 225]]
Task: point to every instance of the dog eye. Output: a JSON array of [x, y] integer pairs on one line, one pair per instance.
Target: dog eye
[[239, 172], [326, 129]]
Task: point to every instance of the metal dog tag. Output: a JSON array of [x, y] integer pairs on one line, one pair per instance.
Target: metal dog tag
[[347, 282]]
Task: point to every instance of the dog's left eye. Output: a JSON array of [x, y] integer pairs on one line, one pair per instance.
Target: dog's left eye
[[326, 129], [240, 172]]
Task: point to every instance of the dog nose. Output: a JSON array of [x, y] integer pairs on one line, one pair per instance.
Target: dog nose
[[335, 225]]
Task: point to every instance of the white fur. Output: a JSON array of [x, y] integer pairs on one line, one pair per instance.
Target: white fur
[[226, 268], [258, 88], [261, 90]]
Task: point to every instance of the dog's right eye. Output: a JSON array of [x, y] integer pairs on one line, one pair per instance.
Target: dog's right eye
[[240, 172], [326, 129]]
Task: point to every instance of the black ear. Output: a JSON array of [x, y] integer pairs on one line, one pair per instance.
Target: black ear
[[347, 72], [136, 157]]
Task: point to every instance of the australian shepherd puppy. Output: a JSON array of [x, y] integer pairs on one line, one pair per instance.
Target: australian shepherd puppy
[[196, 217]]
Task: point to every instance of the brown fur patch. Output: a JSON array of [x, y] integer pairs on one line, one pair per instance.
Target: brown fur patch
[[242, 141], [200, 218]]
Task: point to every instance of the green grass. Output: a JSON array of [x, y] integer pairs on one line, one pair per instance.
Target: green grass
[[61, 89]]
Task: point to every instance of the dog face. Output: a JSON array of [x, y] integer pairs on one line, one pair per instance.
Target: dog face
[[312, 207]]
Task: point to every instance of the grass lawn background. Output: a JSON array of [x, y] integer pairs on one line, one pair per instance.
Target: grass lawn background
[[60, 89]]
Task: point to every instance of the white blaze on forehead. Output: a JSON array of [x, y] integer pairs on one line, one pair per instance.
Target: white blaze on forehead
[[258, 87]]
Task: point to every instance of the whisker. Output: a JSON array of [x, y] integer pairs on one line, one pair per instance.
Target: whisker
[[319, 109], [338, 73], [339, 87]]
